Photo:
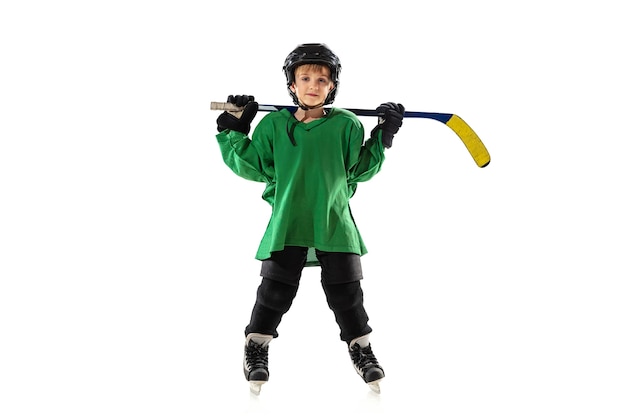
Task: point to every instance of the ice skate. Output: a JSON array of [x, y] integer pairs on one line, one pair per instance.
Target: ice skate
[[255, 361], [365, 362]]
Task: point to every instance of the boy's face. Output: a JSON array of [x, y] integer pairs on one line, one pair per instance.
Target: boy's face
[[312, 84]]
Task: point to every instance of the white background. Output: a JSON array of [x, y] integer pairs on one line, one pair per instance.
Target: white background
[[127, 246]]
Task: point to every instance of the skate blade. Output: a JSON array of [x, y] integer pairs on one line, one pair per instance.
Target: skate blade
[[255, 387], [374, 386]]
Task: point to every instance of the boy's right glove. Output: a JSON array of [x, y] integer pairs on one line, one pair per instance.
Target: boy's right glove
[[390, 117], [239, 121]]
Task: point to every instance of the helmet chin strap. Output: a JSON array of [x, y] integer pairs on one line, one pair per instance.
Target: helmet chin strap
[[305, 107]]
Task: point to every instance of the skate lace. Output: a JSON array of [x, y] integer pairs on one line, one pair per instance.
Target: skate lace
[[256, 355], [363, 358]]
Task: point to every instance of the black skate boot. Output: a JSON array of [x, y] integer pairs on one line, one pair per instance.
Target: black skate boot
[[255, 360], [365, 362]]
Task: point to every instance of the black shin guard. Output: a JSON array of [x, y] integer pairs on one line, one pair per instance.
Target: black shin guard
[[346, 302], [273, 300]]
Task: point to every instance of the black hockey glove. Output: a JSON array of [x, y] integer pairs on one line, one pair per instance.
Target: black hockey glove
[[242, 120], [390, 117]]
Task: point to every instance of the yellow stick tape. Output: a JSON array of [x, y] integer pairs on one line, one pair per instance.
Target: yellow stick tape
[[471, 140]]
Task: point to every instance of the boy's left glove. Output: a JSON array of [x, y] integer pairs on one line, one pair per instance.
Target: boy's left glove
[[390, 117], [241, 120]]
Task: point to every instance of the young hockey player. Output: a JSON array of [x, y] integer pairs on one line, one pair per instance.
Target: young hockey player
[[311, 161]]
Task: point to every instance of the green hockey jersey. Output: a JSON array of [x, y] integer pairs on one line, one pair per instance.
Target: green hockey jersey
[[311, 171]]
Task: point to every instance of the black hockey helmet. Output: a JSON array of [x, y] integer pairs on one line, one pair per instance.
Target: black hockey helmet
[[312, 53]]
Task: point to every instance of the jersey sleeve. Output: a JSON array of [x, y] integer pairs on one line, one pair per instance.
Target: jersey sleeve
[[365, 159], [245, 157]]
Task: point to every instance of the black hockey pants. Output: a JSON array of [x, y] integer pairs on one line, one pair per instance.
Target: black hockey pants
[[341, 274]]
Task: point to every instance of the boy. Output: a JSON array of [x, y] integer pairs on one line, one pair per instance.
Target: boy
[[311, 162]]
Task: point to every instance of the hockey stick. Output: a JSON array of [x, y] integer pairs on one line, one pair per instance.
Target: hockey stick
[[470, 139]]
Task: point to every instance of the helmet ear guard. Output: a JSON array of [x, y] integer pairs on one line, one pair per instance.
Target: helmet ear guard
[[312, 53]]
